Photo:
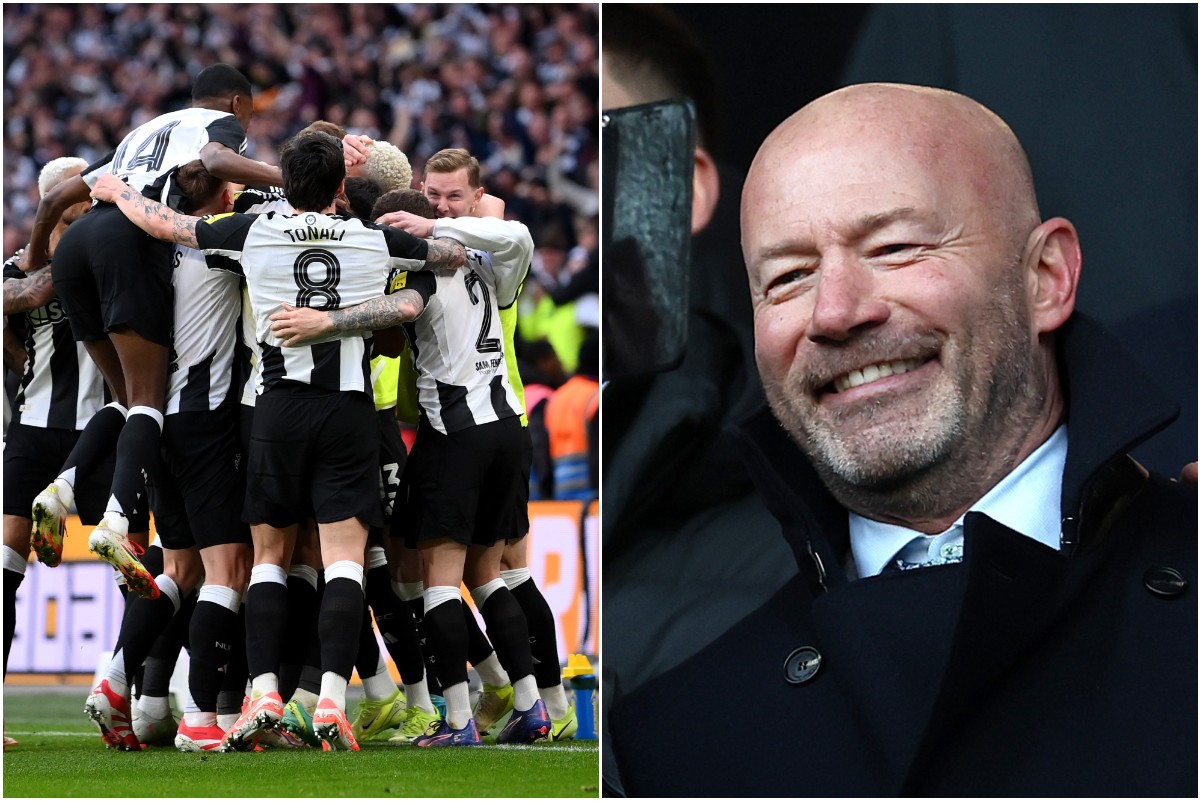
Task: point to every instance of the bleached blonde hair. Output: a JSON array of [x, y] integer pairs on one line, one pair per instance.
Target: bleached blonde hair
[[54, 173], [387, 166]]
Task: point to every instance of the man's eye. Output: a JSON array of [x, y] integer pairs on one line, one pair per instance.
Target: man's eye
[[787, 279], [893, 249]]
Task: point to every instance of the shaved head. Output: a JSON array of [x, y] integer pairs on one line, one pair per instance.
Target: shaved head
[[952, 137]]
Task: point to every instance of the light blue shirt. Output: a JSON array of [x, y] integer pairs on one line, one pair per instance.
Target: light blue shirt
[[1028, 500]]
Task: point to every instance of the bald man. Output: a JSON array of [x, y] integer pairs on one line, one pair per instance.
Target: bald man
[[991, 597]]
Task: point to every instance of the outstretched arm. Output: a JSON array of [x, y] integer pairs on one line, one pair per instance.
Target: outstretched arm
[[228, 165], [49, 212], [161, 222], [445, 253], [407, 221], [299, 326]]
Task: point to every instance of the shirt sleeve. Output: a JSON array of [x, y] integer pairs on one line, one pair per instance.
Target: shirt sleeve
[[229, 132], [92, 172], [222, 237], [412, 251], [508, 241], [424, 283]]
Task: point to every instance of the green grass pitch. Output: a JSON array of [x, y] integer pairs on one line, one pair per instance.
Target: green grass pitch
[[60, 755]]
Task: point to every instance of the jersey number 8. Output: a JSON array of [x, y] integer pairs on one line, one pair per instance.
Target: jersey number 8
[[325, 287]]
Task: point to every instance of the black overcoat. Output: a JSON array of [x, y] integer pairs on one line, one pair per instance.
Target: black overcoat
[[1022, 671]]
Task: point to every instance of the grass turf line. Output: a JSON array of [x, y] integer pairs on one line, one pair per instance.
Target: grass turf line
[[50, 764]]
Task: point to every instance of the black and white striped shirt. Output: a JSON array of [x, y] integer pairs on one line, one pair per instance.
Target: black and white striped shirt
[[255, 200], [310, 259], [149, 154], [208, 308], [61, 386], [458, 342]]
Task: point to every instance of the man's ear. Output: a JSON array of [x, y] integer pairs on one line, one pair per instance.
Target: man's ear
[[489, 206], [1053, 262], [705, 188]]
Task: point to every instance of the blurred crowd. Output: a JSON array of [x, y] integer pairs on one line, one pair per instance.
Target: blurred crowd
[[516, 85]]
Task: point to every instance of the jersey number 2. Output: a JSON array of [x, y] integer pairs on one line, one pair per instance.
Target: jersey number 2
[[484, 344]]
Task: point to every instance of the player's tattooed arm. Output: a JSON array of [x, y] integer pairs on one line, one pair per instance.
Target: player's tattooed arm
[[445, 252], [381, 312], [34, 291], [302, 326], [161, 222]]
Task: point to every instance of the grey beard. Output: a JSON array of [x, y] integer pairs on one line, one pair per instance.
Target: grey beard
[[946, 468], [911, 486], [907, 486]]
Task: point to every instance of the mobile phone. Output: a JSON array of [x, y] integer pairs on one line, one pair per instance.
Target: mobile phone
[[648, 157]]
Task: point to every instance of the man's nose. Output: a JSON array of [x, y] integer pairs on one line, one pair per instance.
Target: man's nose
[[847, 300]]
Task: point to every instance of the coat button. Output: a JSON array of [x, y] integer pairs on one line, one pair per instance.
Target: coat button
[[801, 665], [1165, 582]]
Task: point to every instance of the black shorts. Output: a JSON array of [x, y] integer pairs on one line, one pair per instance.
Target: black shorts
[[109, 274], [198, 490], [465, 485], [392, 456], [33, 457], [245, 425], [313, 455]]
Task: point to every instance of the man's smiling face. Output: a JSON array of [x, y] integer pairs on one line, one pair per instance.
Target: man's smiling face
[[451, 193], [892, 322]]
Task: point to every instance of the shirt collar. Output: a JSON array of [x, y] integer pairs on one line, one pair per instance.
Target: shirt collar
[[1027, 500]]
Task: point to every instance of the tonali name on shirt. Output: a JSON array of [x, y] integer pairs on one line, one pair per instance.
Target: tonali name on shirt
[[312, 232]]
